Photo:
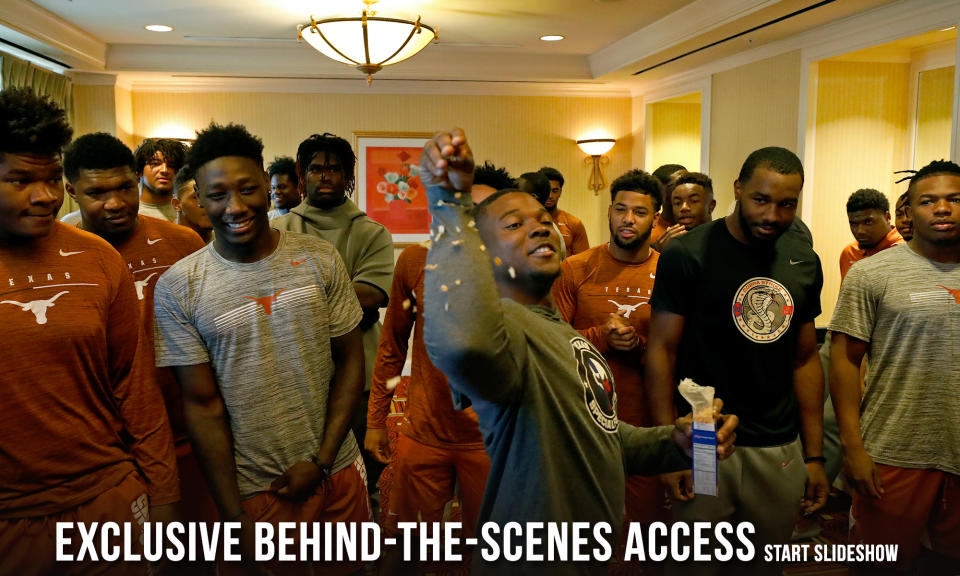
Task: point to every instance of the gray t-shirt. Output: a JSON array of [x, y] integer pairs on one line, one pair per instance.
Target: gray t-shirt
[[544, 396], [907, 308], [265, 328], [158, 211]]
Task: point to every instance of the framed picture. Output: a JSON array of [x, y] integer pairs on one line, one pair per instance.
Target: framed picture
[[388, 183]]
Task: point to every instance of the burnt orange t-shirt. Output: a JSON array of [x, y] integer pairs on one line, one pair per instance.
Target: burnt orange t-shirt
[[430, 417], [573, 232], [852, 253], [592, 286], [75, 422], [154, 246]]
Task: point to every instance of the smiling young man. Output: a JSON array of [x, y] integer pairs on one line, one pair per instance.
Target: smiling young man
[[81, 439], [544, 396], [900, 436], [868, 211], [99, 170], [158, 161], [186, 203], [734, 307], [284, 185], [260, 328], [604, 293]]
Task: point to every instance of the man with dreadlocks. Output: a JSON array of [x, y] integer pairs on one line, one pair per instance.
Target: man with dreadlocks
[[901, 440], [81, 438], [325, 164]]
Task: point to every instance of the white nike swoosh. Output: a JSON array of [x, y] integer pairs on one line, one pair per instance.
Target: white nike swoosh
[[795, 262], [62, 253], [154, 241]]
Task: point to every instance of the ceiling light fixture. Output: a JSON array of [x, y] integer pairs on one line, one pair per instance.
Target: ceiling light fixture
[[159, 28], [596, 148], [369, 42], [552, 38]]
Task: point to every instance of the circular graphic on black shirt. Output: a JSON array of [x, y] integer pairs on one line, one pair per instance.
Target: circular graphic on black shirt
[[762, 309], [599, 393]]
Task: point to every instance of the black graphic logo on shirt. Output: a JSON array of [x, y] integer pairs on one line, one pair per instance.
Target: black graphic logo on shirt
[[599, 393], [762, 309]]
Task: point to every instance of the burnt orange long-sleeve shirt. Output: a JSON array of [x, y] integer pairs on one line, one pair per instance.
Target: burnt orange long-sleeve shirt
[[74, 421], [573, 232], [153, 247], [430, 417], [593, 285]]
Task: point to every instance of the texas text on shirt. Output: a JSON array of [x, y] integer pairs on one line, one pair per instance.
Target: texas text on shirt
[[69, 308]]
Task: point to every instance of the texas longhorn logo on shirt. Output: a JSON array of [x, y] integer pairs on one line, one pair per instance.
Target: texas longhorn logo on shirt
[[762, 309], [599, 393]]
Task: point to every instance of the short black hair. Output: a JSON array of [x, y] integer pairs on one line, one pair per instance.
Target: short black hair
[[935, 168], [184, 175], [867, 199], [284, 165], [552, 174], [480, 209], [497, 178], [664, 172], [216, 141], [535, 184], [174, 152], [331, 144], [780, 160], [698, 178], [31, 124], [96, 151], [638, 181]]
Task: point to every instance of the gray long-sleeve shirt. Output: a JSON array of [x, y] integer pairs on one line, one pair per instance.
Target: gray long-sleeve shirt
[[544, 396]]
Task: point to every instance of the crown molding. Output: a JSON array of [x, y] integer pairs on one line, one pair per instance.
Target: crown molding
[[53, 32]]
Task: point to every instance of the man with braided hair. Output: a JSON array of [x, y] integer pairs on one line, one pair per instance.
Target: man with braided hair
[[900, 437]]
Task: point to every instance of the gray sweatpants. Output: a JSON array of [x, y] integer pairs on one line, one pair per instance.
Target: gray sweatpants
[[763, 486]]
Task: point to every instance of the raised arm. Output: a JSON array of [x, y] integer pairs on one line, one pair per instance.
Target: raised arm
[[464, 329]]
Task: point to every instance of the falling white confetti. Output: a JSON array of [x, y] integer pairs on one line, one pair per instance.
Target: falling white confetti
[[443, 288], [472, 224], [457, 282], [446, 306], [392, 383], [483, 247], [457, 242], [512, 272], [431, 266]]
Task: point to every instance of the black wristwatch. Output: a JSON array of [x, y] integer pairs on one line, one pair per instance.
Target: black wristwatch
[[325, 470]]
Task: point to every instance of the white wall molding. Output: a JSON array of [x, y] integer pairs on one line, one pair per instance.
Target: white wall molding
[[49, 29]]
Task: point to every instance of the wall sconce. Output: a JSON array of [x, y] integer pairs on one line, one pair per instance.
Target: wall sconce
[[596, 148]]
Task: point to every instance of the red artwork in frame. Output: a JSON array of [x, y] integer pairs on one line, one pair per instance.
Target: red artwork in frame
[[388, 183]]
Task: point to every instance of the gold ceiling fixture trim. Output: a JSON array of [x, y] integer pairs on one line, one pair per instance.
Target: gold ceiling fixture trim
[[368, 43]]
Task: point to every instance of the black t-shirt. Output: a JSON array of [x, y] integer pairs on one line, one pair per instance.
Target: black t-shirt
[[742, 307]]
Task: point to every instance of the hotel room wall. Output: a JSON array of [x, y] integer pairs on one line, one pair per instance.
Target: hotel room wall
[[673, 135], [934, 115], [861, 139], [752, 106], [521, 133]]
